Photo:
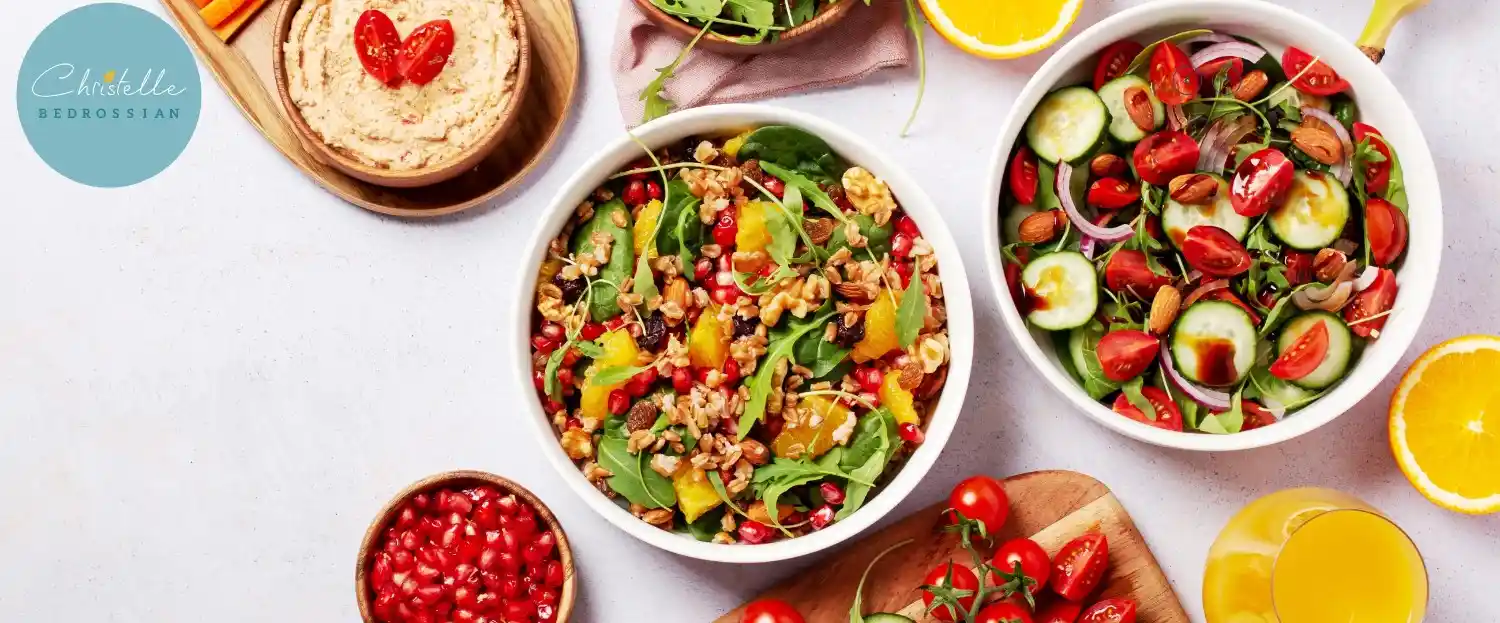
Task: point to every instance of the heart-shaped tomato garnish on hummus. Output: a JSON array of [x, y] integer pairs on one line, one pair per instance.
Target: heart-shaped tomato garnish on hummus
[[379, 45]]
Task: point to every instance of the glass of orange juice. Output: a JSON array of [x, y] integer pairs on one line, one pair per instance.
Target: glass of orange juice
[[1313, 555]]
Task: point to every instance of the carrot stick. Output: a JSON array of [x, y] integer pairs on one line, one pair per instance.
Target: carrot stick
[[218, 11], [227, 30]]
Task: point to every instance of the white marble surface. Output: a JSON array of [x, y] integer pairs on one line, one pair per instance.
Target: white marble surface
[[210, 381]]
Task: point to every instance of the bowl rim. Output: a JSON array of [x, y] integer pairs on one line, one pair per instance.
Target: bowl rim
[[425, 176], [383, 518], [956, 288], [1417, 277], [829, 15]]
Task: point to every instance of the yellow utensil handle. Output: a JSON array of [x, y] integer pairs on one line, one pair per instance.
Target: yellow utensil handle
[[1383, 18]]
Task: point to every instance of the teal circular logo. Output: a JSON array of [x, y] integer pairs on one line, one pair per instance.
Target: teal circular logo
[[108, 95]]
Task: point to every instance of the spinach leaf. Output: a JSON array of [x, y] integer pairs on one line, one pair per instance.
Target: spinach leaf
[[681, 232], [783, 340], [605, 289], [1395, 191], [856, 492], [708, 524], [878, 237], [795, 149], [871, 433], [784, 223], [807, 186], [632, 479], [818, 354], [1084, 343], [910, 313]]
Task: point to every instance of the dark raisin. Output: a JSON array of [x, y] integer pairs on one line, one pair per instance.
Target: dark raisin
[[834, 192], [642, 416], [850, 335], [653, 333], [571, 288], [744, 326], [751, 169]]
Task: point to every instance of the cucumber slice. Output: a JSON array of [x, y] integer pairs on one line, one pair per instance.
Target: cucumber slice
[[1120, 125], [1064, 289], [1340, 346], [887, 617], [1314, 213], [1213, 343], [1067, 125], [1178, 218]]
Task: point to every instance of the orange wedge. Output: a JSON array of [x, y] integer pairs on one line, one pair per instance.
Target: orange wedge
[[1445, 424], [1001, 28]]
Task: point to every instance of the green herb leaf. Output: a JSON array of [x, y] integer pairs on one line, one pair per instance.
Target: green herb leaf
[[615, 375], [796, 150], [1260, 240], [707, 525], [1133, 393], [658, 105], [554, 361], [856, 492], [914, 24], [808, 188], [632, 479], [855, 615], [1143, 60], [782, 342], [1085, 340], [757, 13], [592, 350], [910, 313]]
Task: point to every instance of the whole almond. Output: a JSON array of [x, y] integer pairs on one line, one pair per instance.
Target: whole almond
[[1193, 188], [819, 230], [854, 292], [1250, 86], [1328, 263], [911, 375], [1319, 144], [1164, 310], [1039, 227], [1107, 165], [1138, 106]]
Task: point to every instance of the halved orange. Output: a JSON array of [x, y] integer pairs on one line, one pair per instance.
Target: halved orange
[[1445, 424], [1001, 28]]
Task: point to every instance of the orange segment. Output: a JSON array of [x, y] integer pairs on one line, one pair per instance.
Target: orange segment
[[1445, 424], [880, 329], [1001, 28]]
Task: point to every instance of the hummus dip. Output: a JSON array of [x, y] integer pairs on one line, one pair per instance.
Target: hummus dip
[[411, 126]]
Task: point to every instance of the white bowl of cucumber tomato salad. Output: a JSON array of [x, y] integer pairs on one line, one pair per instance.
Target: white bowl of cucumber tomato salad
[[1218, 225]]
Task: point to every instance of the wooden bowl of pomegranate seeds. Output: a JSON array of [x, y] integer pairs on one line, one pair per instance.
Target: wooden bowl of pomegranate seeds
[[465, 546]]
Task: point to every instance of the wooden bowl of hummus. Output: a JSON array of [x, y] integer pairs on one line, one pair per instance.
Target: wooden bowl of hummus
[[828, 14], [409, 135]]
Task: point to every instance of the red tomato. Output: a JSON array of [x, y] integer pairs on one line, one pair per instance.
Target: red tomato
[[1002, 612], [1127, 353], [1172, 76], [1113, 193], [1256, 416], [1320, 79], [1127, 271], [1059, 611], [1385, 226], [1299, 267], [1215, 252], [1376, 299], [377, 42], [1168, 416], [1209, 71], [1115, 610], [426, 50], [1023, 176], [1304, 355], [1079, 566], [983, 499], [1165, 155], [770, 611], [963, 579], [1377, 174], [1114, 60], [1030, 557], [1260, 182]]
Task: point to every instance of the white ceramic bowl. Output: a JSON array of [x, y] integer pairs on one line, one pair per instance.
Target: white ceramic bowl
[[1379, 104], [614, 157]]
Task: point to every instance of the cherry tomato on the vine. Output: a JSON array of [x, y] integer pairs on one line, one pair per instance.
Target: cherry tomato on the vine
[[1260, 182], [1173, 78], [1385, 227], [1023, 176], [1116, 610], [1305, 354], [1002, 612], [1126, 353], [981, 498], [1212, 250], [1168, 416], [1114, 60], [1319, 79], [959, 578], [1079, 565], [1034, 566], [1165, 155], [770, 611], [1059, 611]]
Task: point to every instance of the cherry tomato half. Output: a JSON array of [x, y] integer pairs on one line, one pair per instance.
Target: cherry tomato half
[[1208, 72], [1299, 267], [1113, 193], [1079, 565], [1320, 79], [1115, 610], [1385, 226], [1030, 557], [1260, 182], [426, 50], [1374, 300], [1126, 353], [1059, 611], [1168, 416], [1114, 60], [1165, 155], [377, 43], [1128, 272], [983, 499], [963, 579], [1256, 416], [1172, 76], [1377, 174], [1023, 176], [1305, 354], [1212, 250], [770, 611], [1002, 612]]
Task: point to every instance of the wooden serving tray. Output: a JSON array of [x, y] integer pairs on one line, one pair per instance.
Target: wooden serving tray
[[243, 66], [1051, 507]]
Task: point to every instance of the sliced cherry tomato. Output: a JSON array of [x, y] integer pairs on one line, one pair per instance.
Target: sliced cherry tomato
[[770, 611], [1374, 300], [1079, 565], [962, 578], [1114, 60], [1113, 193], [1168, 416], [1023, 176], [1208, 72], [1385, 226], [1165, 155], [1320, 79], [981, 498], [1212, 250], [378, 44], [1304, 355], [1377, 174], [1299, 267], [1128, 272], [1022, 563], [1116, 610], [1256, 416], [1126, 353], [426, 50], [1172, 76], [1002, 612], [1260, 182], [1059, 611]]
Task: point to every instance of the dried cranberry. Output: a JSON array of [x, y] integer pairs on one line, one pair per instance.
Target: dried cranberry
[[745, 326], [848, 336], [653, 333], [571, 288]]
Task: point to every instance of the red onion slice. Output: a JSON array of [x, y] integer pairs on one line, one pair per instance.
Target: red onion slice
[[1366, 278], [1211, 37], [1176, 119], [1087, 247], [1206, 288], [1342, 170], [1231, 138], [1239, 49], [1211, 398], [1064, 189], [1209, 145]]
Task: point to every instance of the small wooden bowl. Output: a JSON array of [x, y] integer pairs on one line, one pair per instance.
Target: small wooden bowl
[[827, 16], [425, 176], [461, 480]]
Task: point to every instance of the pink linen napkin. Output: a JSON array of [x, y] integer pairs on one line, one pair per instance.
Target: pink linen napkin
[[867, 40]]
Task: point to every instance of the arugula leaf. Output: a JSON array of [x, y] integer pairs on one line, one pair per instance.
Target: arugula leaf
[[592, 350], [910, 313], [799, 12], [782, 475], [914, 24], [632, 479], [871, 433], [859, 593], [615, 375], [549, 375], [716, 479], [758, 14], [1274, 318], [808, 187], [1259, 240], [1133, 393], [658, 105], [794, 149], [782, 342]]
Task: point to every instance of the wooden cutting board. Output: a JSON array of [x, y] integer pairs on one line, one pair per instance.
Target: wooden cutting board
[[1051, 507]]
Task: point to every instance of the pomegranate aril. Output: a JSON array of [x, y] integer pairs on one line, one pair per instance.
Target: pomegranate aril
[[429, 594], [543, 345], [619, 402], [451, 536], [554, 331], [486, 516], [420, 501], [489, 558], [832, 494], [461, 615], [901, 246], [822, 517], [554, 576], [653, 190], [614, 323], [380, 572], [509, 563], [910, 433], [486, 602], [904, 270], [539, 379], [682, 381], [543, 597], [411, 541], [519, 610], [702, 268], [775, 185], [869, 378], [731, 372], [871, 399], [508, 505], [635, 193], [535, 573], [565, 379], [510, 588], [906, 225], [571, 357], [403, 561], [591, 331], [534, 555], [465, 574], [546, 613], [409, 586], [427, 573], [725, 230], [754, 532]]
